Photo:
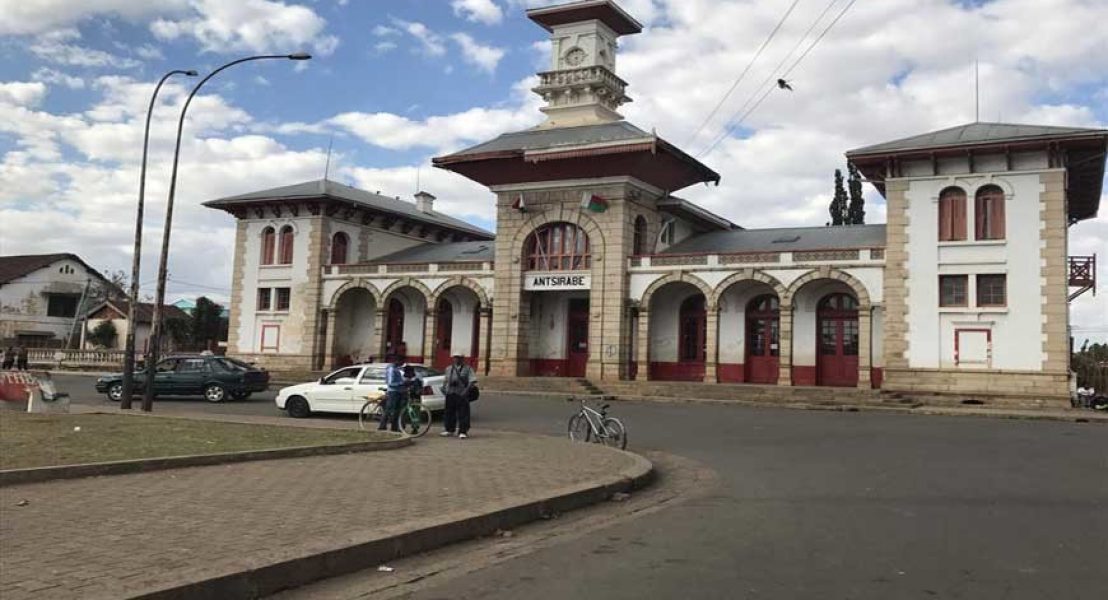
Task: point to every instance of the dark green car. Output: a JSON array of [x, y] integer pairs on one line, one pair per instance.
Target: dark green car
[[216, 378]]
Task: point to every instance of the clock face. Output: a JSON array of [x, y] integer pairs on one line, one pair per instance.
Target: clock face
[[575, 56]]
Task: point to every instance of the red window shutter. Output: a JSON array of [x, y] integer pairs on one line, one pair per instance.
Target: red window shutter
[[997, 213], [959, 227], [267, 246], [946, 218]]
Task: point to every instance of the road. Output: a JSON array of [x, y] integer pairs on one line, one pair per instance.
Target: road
[[815, 504]]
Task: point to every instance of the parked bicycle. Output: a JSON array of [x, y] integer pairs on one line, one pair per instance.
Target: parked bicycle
[[415, 418], [590, 424]]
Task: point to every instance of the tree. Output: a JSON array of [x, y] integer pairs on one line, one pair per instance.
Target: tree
[[856, 212], [838, 208], [207, 323], [103, 335]]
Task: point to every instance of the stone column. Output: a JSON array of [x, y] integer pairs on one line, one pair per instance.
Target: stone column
[[328, 339], [785, 347], [379, 333], [485, 338], [711, 344], [430, 323], [643, 344], [865, 320]]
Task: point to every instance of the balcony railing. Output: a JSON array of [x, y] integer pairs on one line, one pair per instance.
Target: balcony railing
[[1082, 275], [594, 75], [803, 257], [48, 357], [414, 268]]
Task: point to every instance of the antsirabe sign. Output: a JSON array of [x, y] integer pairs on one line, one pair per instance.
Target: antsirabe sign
[[556, 281]]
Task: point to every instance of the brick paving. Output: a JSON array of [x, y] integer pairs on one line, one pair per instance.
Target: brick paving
[[111, 537]]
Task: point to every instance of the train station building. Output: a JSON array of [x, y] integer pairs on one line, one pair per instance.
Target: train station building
[[599, 270]]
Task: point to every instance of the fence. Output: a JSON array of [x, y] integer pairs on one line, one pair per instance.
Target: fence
[[75, 359]]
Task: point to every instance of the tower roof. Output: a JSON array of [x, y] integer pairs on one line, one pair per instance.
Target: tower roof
[[605, 11]]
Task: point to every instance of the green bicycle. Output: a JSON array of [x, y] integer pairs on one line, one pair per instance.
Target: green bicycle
[[415, 418]]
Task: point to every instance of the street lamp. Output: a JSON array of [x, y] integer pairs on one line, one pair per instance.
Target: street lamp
[[136, 260], [156, 320]]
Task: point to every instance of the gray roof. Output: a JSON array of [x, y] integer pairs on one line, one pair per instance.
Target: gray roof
[[332, 189], [449, 252], [787, 239], [541, 139], [975, 134]]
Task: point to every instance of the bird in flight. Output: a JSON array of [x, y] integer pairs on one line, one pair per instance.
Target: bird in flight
[[781, 83]]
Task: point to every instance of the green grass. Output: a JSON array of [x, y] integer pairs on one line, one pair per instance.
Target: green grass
[[39, 440]]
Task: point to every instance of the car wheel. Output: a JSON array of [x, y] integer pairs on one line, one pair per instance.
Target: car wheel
[[115, 392], [297, 407], [214, 392]]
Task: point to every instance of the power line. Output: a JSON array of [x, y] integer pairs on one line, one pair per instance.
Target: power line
[[727, 131], [745, 70]]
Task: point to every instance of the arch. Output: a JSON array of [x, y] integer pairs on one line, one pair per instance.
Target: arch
[[679, 277], [355, 284], [558, 246], [466, 282], [285, 239], [407, 282], [952, 214], [578, 218], [640, 236], [269, 245], [340, 248], [748, 275], [988, 213], [828, 273], [838, 340]]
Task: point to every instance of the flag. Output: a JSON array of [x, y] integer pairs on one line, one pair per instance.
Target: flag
[[593, 202], [518, 204]]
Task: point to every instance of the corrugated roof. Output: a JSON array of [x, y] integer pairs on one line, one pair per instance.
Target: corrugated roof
[[973, 134], [449, 252], [541, 139], [787, 239], [332, 189], [14, 267]]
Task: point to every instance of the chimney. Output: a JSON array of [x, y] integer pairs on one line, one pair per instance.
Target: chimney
[[424, 202]]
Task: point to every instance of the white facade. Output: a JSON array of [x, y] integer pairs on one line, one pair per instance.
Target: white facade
[[25, 303]]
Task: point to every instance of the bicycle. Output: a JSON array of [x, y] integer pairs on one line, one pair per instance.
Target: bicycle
[[415, 418], [590, 424]]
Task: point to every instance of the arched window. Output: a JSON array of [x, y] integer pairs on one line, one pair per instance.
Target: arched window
[[952, 215], [989, 213], [838, 302], [284, 247], [639, 247], [269, 242], [557, 247], [339, 243]]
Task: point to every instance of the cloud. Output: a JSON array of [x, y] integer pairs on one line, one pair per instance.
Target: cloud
[[383, 47], [54, 46], [480, 11], [431, 43], [483, 57], [149, 52], [441, 133], [249, 25], [48, 75], [24, 17], [384, 31], [21, 93]]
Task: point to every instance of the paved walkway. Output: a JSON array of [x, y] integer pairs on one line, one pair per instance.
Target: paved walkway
[[118, 536]]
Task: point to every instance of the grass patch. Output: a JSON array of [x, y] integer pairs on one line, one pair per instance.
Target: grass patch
[[40, 440]]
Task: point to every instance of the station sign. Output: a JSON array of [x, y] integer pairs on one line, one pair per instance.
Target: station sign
[[549, 282]]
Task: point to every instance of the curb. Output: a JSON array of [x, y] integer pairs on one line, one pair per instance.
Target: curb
[[356, 556], [142, 465]]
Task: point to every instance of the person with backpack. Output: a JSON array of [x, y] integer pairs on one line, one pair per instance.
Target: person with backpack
[[459, 384]]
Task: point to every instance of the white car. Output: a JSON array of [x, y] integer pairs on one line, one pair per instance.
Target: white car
[[347, 389]]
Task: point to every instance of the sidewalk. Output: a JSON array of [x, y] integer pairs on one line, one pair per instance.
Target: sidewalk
[[242, 529]]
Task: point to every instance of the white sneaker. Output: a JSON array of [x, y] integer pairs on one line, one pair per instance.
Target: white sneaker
[[447, 433], [462, 436]]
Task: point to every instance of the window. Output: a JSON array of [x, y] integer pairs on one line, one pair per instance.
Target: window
[[265, 297], [284, 296], [345, 373], [639, 244], [992, 290], [269, 242], [557, 247], [952, 215], [669, 233], [285, 246], [989, 213], [192, 365], [62, 305], [952, 290], [372, 375], [339, 244]]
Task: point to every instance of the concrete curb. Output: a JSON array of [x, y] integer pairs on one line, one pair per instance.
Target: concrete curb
[[39, 474], [913, 409], [357, 555]]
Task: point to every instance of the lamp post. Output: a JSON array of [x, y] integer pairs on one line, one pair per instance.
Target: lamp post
[[159, 299], [136, 260]]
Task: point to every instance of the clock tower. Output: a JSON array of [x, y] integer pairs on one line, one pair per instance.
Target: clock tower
[[582, 88]]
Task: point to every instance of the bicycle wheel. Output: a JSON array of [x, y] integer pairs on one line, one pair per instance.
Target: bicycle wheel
[[415, 420], [579, 428], [615, 434], [370, 412]]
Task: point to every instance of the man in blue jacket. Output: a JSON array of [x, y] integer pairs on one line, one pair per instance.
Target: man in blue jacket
[[395, 395]]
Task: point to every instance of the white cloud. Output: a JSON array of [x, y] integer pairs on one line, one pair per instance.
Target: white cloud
[[249, 25], [21, 93], [383, 47], [385, 30], [441, 133], [431, 43], [481, 11], [22, 17], [54, 46], [479, 55], [48, 75], [149, 52]]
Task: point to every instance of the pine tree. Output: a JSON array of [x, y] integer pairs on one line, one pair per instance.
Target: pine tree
[[856, 213], [838, 208]]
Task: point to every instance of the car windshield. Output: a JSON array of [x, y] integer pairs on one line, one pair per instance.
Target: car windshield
[[347, 373], [232, 364]]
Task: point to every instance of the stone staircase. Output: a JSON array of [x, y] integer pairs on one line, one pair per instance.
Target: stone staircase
[[952, 399]]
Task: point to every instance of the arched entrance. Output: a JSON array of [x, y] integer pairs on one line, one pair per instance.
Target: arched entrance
[[405, 319], [678, 334], [837, 340], [444, 333], [353, 338], [557, 261], [457, 326], [763, 326], [693, 331], [394, 329]]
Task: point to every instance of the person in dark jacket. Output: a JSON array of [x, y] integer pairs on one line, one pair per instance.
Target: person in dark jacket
[[9, 359], [458, 382], [20, 358]]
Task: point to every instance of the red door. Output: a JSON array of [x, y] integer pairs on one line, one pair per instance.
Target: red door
[[762, 329], [444, 331], [837, 323], [394, 328], [692, 337], [577, 337]]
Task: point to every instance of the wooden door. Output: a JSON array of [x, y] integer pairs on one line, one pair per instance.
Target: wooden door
[[837, 341], [692, 337], [762, 331], [394, 328], [444, 334], [577, 337]]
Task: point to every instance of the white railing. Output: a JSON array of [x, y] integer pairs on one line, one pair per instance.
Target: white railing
[[413, 268], [50, 357], [797, 258]]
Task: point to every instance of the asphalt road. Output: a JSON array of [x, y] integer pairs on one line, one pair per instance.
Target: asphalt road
[[815, 504]]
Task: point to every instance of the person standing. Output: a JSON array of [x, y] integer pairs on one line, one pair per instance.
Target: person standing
[[9, 358], [395, 394], [458, 384], [20, 358]]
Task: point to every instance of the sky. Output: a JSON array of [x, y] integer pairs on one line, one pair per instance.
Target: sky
[[396, 82]]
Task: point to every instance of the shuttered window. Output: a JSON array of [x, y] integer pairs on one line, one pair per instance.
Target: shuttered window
[[989, 213], [952, 215]]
